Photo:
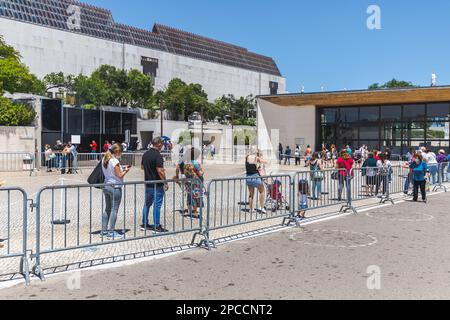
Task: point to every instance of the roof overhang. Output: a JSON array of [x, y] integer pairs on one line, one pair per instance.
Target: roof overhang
[[363, 97]]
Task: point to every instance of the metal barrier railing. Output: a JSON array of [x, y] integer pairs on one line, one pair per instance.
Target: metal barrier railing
[[13, 230], [86, 216], [16, 162], [242, 200]]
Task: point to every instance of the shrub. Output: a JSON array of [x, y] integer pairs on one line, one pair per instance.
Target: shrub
[[12, 114]]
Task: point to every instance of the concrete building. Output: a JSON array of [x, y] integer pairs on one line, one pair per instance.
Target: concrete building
[[398, 119], [74, 38]]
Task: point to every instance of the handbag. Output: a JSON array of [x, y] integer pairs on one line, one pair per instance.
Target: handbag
[[97, 176]]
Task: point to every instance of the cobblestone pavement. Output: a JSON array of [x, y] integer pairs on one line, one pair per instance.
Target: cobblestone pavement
[[388, 252]]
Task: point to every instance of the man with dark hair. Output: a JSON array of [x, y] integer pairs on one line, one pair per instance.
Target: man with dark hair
[[153, 166]]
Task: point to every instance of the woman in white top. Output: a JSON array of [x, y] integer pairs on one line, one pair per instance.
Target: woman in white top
[[431, 159], [384, 173], [114, 175]]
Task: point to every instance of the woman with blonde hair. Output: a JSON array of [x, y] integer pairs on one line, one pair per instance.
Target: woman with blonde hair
[[114, 174], [253, 163]]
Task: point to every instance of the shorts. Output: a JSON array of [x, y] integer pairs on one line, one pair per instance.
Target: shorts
[[254, 181], [303, 202]]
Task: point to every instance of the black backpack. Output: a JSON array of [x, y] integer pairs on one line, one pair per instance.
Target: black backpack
[[97, 176]]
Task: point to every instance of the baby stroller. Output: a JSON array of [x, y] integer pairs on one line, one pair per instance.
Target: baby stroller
[[274, 197]]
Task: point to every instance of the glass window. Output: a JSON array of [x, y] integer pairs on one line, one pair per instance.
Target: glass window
[[391, 113], [347, 132], [438, 112], [74, 120], [349, 115], [113, 123], [391, 131], [369, 133], [414, 111], [328, 133], [369, 114], [329, 115], [51, 115], [437, 130], [91, 121]]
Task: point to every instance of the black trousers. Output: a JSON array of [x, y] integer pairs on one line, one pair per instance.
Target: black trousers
[[422, 186]]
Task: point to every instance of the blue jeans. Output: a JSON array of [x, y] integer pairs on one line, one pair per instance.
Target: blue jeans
[[433, 173], [408, 183], [153, 196], [113, 197], [316, 189]]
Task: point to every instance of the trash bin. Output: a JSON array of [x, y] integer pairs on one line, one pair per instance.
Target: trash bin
[[27, 163]]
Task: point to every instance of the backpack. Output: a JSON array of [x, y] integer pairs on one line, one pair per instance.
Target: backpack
[[317, 175], [97, 176]]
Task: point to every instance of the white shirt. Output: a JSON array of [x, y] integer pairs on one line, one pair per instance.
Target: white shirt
[[110, 173], [430, 158]]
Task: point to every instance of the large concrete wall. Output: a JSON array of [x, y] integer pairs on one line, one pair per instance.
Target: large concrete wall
[[47, 50], [286, 125], [17, 139]]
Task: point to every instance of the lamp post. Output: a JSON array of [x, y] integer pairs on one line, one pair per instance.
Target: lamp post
[[162, 117], [201, 129]]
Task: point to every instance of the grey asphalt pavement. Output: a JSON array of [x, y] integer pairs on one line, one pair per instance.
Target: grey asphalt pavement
[[392, 252]]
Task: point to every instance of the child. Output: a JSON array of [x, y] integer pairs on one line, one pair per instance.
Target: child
[[194, 188], [303, 193]]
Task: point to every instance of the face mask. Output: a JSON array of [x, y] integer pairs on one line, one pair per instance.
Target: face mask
[[418, 161]]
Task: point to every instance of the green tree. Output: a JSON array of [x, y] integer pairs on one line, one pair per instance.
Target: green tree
[[140, 89], [59, 80], [14, 75], [15, 114], [393, 84]]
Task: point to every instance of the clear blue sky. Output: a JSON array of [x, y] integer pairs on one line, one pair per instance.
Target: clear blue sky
[[315, 43]]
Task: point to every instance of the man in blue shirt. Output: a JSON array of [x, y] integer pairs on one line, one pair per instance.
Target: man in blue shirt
[[419, 169]]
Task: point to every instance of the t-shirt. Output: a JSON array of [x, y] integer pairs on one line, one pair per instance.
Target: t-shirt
[[110, 174], [430, 158], [345, 164], [152, 160], [94, 146], [419, 171]]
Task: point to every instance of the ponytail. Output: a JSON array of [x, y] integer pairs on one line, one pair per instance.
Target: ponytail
[[109, 154]]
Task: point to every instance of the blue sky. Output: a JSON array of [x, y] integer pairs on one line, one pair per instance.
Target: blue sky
[[315, 43]]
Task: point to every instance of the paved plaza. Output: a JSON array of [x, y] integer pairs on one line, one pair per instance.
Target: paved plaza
[[328, 259]]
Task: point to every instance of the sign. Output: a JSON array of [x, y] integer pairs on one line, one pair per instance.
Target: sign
[[75, 139]]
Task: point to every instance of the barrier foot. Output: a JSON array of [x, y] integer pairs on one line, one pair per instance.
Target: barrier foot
[[38, 272], [25, 269], [205, 242], [347, 208], [387, 199], [440, 187], [287, 221]]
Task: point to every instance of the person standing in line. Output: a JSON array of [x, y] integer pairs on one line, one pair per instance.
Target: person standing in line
[[432, 163], [409, 177], [384, 173], [308, 155], [369, 170], [94, 149], [254, 180], [297, 154], [114, 175], [106, 146], [49, 156], [334, 155], [287, 156], [58, 149], [153, 166], [419, 169], [317, 176], [344, 162], [442, 161], [280, 152]]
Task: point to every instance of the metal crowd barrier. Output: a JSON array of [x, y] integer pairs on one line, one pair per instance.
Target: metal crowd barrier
[[70, 217], [13, 232], [229, 203], [16, 162], [443, 176]]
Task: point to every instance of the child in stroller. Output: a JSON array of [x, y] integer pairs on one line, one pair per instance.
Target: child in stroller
[[275, 200]]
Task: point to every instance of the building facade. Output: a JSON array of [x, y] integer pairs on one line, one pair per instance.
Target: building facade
[[72, 37], [398, 119]]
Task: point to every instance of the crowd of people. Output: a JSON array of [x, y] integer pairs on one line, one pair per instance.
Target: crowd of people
[[61, 157]]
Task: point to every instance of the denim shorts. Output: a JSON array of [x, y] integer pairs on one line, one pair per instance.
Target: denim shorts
[[254, 181]]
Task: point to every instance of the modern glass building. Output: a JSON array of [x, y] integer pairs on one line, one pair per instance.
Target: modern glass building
[[394, 118]]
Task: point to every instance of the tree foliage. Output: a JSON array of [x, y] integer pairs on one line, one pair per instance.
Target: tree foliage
[[12, 114], [393, 84], [14, 75]]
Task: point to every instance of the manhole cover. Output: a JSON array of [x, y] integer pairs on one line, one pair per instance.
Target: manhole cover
[[334, 238], [402, 216]]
